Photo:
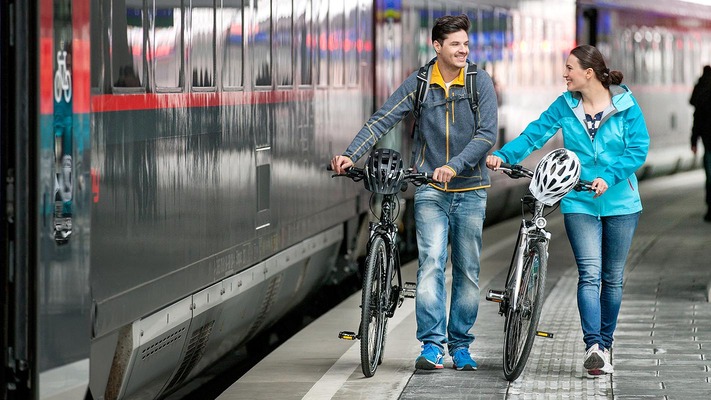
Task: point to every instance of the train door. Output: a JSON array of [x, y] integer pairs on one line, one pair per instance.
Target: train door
[[62, 299], [17, 251]]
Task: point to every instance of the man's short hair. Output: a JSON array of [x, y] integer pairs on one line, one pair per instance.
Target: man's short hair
[[449, 24]]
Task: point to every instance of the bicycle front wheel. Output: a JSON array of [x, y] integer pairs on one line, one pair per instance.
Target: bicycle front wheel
[[373, 307], [521, 324]]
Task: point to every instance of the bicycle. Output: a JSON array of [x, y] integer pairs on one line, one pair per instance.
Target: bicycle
[[383, 290], [521, 301]]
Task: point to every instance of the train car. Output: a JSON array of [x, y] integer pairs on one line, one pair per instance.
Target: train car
[[163, 186], [661, 49]]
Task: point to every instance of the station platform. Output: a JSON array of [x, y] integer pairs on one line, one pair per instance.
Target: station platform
[[662, 346]]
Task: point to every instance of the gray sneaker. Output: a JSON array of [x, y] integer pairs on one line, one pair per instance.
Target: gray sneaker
[[606, 367], [594, 358]]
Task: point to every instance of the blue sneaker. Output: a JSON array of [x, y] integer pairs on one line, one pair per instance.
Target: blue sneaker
[[430, 358], [463, 361]]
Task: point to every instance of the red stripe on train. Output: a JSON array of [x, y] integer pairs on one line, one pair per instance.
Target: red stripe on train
[[151, 101]]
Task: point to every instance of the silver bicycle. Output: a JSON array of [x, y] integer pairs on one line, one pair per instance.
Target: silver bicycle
[[521, 301]]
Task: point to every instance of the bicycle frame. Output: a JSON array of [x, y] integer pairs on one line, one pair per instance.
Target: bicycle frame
[[530, 231], [520, 301]]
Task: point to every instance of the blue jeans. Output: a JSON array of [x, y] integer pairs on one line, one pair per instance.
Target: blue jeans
[[600, 246], [460, 217]]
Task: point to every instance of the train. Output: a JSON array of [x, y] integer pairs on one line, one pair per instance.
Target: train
[[164, 194]]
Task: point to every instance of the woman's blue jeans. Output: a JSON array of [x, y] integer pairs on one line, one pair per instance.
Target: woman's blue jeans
[[458, 216], [600, 246]]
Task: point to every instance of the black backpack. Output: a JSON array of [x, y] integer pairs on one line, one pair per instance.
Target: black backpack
[[423, 85]]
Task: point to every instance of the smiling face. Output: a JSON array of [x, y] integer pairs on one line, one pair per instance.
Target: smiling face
[[453, 51], [576, 77]]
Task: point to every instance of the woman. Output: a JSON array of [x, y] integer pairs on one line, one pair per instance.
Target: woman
[[602, 123]]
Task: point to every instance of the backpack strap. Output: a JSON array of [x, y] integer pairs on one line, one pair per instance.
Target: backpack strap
[[470, 83], [423, 85]]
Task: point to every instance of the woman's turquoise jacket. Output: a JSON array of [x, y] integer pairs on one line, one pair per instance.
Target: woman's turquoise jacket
[[618, 150]]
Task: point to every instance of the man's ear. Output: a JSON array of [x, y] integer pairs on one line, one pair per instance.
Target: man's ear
[[437, 46]]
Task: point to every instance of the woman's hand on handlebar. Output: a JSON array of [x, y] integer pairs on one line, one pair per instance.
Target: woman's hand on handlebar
[[339, 164], [599, 186], [493, 162]]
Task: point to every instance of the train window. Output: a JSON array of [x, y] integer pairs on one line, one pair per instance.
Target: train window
[[97, 47], [231, 33], [283, 40], [304, 39], [424, 37], [349, 44], [321, 27], [202, 46], [364, 46], [438, 10], [335, 42], [667, 57], [127, 44], [474, 35], [262, 42], [166, 43], [488, 30]]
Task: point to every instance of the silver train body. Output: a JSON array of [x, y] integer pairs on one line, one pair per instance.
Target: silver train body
[[163, 182]]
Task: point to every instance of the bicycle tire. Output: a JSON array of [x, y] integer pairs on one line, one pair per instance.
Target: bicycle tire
[[521, 325], [373, 307]]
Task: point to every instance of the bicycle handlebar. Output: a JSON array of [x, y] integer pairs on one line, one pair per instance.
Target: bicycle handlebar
[[516, 171], [357, 174]]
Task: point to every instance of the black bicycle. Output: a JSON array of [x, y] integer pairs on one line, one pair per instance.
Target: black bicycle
[[521, 301], [383, 289]]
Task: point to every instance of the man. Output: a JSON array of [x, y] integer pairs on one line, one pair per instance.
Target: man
[[701, 100], [452, 139]]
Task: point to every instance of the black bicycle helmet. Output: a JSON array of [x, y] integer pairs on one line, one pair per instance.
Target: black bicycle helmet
[[384, 171]]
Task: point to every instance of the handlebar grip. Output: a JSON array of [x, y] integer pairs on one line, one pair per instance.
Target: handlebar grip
[[328, 167], [583, 185], [506, 165]]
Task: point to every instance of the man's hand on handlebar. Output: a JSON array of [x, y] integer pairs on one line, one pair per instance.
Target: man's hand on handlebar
[[339, 164], [493, 162], [442, 174]]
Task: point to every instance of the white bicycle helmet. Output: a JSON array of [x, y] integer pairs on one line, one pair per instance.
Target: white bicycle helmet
[[555, 175]]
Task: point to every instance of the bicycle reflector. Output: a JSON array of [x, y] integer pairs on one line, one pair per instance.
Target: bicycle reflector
[[556, 174], [384, 171]]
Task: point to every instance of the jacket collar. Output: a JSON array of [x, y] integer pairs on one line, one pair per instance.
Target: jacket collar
[[437, 79], [621, 97]]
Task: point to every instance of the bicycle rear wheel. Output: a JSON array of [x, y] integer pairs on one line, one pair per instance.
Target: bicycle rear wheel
[[373, 308], [521, 324]]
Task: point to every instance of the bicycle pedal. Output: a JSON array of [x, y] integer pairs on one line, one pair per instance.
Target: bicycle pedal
[[544, 334], [347, 335], [497, 296], [409, 289]]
